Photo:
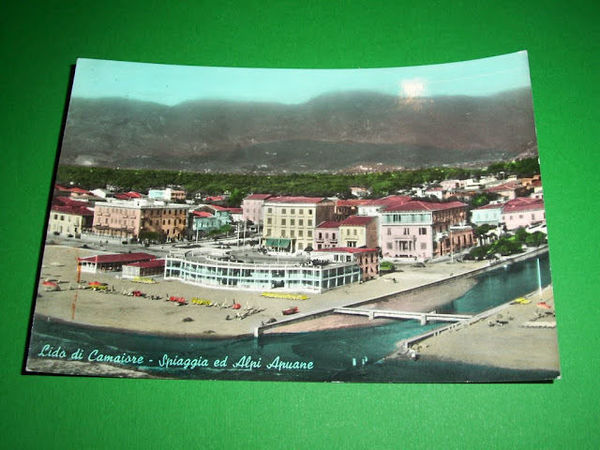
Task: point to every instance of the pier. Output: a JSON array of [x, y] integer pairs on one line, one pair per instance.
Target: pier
[[423, 318]]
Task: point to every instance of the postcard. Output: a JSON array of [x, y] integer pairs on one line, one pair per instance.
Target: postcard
[[357, 225]]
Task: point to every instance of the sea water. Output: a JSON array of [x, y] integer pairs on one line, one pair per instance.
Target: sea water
[[350, 354]]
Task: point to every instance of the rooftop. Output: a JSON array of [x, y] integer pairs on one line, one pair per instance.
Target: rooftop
[[523, 204], [328, 224], [202, 214], [490, 206], [352, 202], [298, 199], [417, 205], [70, 209], [509, 186], [358, 220], [389, 200], [119, 258], [149, 264], [258, 196]]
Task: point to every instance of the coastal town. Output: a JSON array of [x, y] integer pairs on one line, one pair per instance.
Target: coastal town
[[309, 253], [176, 263], [261, 243]]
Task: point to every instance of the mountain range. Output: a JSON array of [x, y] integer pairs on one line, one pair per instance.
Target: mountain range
[[338, 131]]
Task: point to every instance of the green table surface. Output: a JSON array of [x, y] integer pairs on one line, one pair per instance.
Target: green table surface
[[40, 41]]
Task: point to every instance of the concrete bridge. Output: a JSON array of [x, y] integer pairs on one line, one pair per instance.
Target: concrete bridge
[[423, 318]]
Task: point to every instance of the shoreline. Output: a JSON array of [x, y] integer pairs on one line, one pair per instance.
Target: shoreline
[[424, 289], [502, 337]]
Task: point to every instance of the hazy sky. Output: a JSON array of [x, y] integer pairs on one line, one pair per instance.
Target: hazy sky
[[170, 84]]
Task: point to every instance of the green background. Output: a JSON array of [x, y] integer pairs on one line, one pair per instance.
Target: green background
[[41, 40]]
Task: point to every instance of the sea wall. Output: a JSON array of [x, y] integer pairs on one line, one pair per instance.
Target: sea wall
[[283, 326]]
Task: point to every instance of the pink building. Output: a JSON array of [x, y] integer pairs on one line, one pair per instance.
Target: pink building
[[420, 230], [327, 235], [252, 208], [523, 212], [366, 258]]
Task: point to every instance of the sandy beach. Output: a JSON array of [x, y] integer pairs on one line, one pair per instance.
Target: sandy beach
[[516, 336], [143, 315]]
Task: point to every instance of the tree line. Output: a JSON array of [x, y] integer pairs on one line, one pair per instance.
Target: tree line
[[317, 184]]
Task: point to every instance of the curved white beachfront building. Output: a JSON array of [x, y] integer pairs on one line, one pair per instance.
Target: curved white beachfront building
[[291, 274]]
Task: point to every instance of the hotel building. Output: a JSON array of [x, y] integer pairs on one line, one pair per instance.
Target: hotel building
[[291, 275], [135, 218], [423, 230], [289, 222]]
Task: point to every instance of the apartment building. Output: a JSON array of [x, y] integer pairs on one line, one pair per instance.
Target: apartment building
[[289, 222]]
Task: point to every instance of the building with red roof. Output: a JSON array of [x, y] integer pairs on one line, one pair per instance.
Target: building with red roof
[[69, 217], [418, 230], [366, 258], [128, 195], [523, 212], [506, 191], [289, 222], [111, 263], [327, 234], [144, 268], [140, 218], [375, 206], [359, 231]]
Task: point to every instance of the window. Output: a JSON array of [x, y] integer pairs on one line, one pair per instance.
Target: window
[[389, 231], [355, 232], [389, 245], [55, 216], [301, 221], [282, 233], [300, 211], [406, 231], [310, 222], [320, 235], [309, 233], [269, 210], [423, 245], [422, 231], [292, 233], [332, 235], [310, 211], [292, 211], [269, 221], [292, 222], [520, 216], [268, 232], [351, 243], [532, 216], [62, 217], [300, 233], [283, 211]]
